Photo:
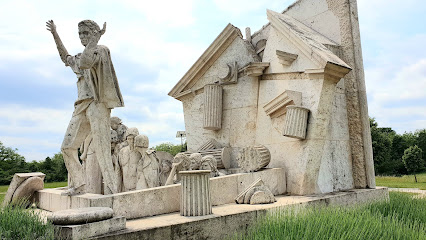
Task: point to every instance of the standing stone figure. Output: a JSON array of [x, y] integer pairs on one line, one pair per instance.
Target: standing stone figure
[[91, 167], [166, 167], [148, 170], [128, 159], [98, 93]]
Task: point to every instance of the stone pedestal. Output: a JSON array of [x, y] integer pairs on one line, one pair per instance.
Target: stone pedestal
[[196, 196], [254, 158], [213, 107], [296, 122]]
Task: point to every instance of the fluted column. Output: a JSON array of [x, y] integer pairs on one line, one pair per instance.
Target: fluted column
[[296, 122], [213, 107], [196, 196], [253, 158]]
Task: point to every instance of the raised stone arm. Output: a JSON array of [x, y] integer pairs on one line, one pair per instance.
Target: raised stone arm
[[63, 53]]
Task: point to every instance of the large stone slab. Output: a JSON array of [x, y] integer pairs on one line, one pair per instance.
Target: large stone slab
[[140, 203], [85, 231], [17, 180], [81, 215]]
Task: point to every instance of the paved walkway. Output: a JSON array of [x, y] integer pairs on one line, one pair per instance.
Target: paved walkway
[[422, 193]]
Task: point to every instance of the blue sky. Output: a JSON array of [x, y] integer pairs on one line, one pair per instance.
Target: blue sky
[[153, 44]]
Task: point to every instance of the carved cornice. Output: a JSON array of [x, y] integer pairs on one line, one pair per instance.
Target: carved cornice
[[286, 58], [277, 106], [254, 69], [331, 72]]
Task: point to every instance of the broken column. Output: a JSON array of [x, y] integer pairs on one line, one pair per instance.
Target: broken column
[[254, 158], [195, 198], [213, 107], [296, 122]]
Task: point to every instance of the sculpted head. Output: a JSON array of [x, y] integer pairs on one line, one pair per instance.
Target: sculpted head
[[87, 29], [195, 161], [166, 166], [115, 122], [208, 163], [182, 160], [141, 142], [130, 136]]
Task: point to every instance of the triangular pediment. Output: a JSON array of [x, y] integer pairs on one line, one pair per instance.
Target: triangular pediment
[[207, 59]]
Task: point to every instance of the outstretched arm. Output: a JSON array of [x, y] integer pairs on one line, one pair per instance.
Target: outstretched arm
[[63, 53]]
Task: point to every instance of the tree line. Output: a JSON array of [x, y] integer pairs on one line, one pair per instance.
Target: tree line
[[394, 154], [397, 154], [11, 162]]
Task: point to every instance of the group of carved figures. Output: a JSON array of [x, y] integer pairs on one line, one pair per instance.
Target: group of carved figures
[[136, 166]]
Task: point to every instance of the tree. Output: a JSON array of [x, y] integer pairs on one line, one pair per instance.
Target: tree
[[170, 148], [412, 160], [10, 163], [382, 145]]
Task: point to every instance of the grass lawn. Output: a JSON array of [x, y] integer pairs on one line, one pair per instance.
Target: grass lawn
[[403, 217], [3, 189], [406, 181]]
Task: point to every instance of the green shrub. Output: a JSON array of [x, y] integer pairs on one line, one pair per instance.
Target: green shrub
[[16, 222]]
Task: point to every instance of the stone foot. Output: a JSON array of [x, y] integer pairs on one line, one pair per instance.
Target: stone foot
[[73, 191]]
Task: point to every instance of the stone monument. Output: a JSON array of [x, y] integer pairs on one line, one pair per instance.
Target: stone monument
[[98, 93], [295, 86]]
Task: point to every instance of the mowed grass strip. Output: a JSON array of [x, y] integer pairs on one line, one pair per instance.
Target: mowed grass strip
[[3, 189], [406, 181], [382, 220]]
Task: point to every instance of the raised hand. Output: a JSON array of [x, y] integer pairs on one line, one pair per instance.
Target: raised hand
[[51, 27]]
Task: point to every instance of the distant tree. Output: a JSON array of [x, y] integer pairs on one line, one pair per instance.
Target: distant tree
[[421, 142], [10, 163], [412, 160], [170, 148], [382, 144]]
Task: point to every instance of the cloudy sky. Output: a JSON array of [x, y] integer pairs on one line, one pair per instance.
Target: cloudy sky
[[153, 44]]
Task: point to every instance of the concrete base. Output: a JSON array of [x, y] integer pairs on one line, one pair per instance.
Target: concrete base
[[231, 218], [85, 231]]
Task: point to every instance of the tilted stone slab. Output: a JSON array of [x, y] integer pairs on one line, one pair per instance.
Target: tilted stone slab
[[27, 189], [81, 215], [17, 180]]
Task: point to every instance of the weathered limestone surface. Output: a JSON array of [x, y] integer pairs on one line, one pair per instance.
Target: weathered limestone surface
[[81, 215], [296, 122], [213, 106], [17, 180], [27, 189], [196, 195], [89, 230], [254, 158], [256, 193], [210, 144], [93, 105], [338, 20], [139, 203]]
